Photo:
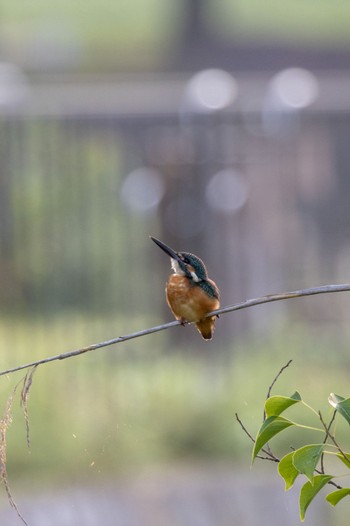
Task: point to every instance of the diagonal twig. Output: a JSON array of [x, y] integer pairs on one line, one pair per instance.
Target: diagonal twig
[[277, 377], [268, 452], [328, 428], [332, 438], [274, 381], [325, 289], [269, 394]]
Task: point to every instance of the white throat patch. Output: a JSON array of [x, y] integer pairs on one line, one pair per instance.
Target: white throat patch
[[176, 267]]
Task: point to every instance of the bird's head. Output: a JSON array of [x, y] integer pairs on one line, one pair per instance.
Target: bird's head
[[184, 263]]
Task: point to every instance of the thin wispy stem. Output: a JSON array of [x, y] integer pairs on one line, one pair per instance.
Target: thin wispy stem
[[332, 438], [268, 452], [274, 381], [325, 289]]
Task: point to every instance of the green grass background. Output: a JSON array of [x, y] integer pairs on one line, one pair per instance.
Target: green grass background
[[142, 403]]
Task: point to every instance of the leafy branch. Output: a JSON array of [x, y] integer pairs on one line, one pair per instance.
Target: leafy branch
[[309, 459]]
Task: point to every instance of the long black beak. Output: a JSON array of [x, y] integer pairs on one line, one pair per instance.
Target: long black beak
[[167, 249]]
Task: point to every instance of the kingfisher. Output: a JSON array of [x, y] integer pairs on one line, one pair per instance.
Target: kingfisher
[[190, 294]]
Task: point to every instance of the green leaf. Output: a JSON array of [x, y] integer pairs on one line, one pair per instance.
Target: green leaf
[[336, 496], [309, 491], [271, 427], [287, 470], [275, 405], [341, 405], [306, 459], [346, 462], [334, 399]]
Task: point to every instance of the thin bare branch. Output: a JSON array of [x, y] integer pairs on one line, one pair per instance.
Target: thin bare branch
[[268, 449], [270, 455], [271, 459], [326, 437], [325, 289], [276, 378], [244, 428], [333, 439]]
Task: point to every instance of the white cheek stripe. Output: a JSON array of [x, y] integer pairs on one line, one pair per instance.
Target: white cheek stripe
[[179, 272], [195, 277]]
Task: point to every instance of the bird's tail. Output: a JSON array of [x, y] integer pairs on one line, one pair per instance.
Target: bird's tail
[[206, 327]]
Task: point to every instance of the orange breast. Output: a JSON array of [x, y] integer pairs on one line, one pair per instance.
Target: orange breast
[[188, 301]]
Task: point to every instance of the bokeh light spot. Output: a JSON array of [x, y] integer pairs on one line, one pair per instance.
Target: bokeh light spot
[[142, 190], [295, 87], [227, 191], [211, 89]]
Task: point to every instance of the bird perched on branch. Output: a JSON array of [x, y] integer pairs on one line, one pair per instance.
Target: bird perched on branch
[[190, 294]]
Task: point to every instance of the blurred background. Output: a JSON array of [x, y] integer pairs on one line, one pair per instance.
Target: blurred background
[[221, 127]]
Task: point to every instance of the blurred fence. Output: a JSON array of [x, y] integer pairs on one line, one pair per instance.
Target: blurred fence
[[259, 188]]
